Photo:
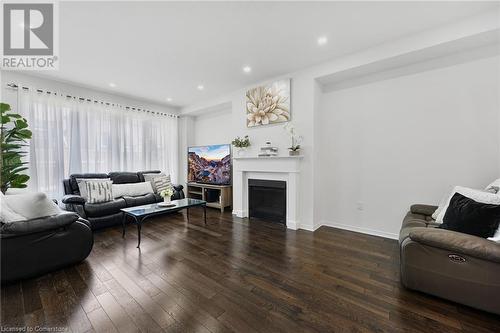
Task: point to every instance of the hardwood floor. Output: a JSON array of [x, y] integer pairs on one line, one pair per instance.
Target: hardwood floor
[[233, 276]]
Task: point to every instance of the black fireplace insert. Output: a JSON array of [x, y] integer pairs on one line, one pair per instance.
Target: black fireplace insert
[[267, 200]]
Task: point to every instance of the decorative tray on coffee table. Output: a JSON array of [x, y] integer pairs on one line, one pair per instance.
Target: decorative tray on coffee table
[[165, 204]]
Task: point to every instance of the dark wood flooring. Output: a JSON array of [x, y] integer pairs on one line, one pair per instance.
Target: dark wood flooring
[[234, 275]]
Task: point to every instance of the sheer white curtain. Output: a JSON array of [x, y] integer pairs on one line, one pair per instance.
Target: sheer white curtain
[[74, 136]]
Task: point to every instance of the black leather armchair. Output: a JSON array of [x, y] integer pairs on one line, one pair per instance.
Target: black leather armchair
[[101, 215], [35, 247]]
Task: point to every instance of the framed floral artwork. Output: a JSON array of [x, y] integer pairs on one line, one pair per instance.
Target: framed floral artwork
[[268, 104]]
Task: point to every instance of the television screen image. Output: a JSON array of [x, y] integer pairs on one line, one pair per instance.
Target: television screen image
[[210, 164]]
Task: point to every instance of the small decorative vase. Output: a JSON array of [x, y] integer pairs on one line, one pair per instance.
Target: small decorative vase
[[294, 152], [242, 151], [167, 200]]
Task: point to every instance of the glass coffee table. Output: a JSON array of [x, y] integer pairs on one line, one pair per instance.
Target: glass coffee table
[[140, 213]]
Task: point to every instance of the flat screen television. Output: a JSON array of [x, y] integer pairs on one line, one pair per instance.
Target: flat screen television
[[210, 164]]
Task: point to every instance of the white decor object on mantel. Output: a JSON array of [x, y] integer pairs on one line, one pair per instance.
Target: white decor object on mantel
[[284, 168]]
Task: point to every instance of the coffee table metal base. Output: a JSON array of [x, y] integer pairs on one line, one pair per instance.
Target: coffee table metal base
[[138, 221]]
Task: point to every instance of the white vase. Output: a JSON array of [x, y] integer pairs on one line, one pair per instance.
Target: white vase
[[167, 200], [242, 151]]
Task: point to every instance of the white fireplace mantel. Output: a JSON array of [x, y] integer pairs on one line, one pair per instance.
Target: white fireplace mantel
[[284, 168]]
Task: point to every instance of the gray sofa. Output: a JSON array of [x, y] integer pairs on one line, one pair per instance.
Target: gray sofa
[[449, 264], [38, 246]]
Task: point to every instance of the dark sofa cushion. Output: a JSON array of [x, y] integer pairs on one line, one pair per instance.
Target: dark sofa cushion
[[140, 200], [74, 185], [471, 217], [104, 208], [124, 177]]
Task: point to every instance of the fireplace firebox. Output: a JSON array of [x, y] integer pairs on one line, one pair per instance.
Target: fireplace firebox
[[267, 200]]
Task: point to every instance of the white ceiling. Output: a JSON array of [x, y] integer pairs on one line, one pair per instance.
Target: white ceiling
[[155, 50]]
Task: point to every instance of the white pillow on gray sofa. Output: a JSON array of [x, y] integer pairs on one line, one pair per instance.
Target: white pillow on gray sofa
[[7, 215], [31, 205], [98, 191], [82, 187], [494, 186], [131, 189]]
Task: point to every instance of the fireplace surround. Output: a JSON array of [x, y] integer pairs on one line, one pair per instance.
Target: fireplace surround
[[281, 168]]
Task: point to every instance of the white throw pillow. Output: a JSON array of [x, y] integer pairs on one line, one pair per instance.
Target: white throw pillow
[[131, 189], [82, 187], [494, 186], [476, 195], [7, 215], [99, 191], [496, 236], [444, 202], [32, 205], [150, 177]]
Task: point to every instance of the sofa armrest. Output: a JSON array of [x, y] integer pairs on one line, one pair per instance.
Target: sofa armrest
[[71, 199], [426, 210], [178, 187], [457, 242], [38, 225]]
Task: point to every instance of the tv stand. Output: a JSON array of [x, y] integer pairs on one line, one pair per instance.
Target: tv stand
[[216, 196]]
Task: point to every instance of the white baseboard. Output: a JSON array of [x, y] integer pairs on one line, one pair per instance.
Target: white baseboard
[[358, 229], [239, 212], [291, 224], [309, 227]]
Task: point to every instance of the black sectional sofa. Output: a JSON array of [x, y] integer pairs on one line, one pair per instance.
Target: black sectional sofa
[[101, 215]]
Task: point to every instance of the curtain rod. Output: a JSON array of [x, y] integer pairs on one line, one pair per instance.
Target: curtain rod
[[16, 87]]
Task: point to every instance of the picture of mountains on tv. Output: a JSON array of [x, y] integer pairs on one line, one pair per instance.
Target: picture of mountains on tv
[[210, 164]]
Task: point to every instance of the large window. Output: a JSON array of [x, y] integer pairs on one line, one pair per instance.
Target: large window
[[75, 136]]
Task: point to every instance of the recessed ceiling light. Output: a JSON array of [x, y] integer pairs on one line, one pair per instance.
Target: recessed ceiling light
[[322, 40], [247, 69], [169, 99], [112, 85], [200, 87]]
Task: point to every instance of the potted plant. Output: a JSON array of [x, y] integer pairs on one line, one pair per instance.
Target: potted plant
[[166, 194], [241, 144], [14, 134], [294, 149]]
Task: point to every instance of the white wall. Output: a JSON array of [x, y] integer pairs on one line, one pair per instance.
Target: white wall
[[213, 128], [386, 145]]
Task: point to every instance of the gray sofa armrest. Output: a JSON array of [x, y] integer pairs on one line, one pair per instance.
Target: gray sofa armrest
[[38, 225], [426, 210], [71, 199], [178, 187], [457, 242]]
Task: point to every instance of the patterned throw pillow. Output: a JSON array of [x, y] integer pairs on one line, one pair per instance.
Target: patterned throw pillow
[[83, 188], [150, 177], [98, 191], [162, 183]]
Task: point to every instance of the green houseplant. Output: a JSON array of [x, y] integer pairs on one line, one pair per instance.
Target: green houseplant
[[241, 144], [14, 135]]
